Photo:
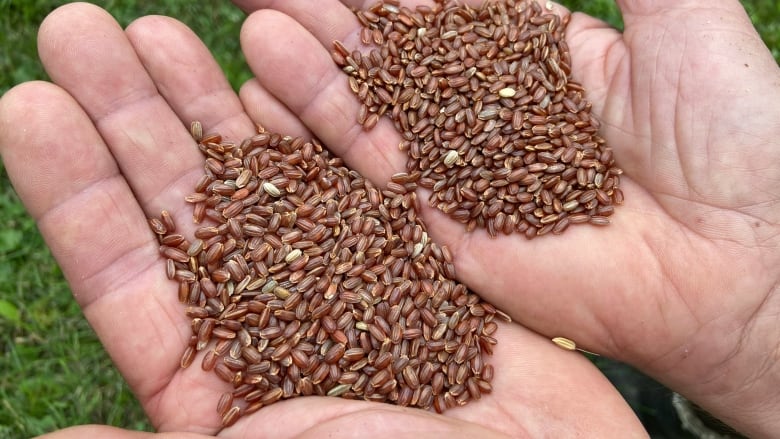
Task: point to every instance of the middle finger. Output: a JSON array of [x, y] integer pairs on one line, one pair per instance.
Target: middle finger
[[313, 87], [86, 52]]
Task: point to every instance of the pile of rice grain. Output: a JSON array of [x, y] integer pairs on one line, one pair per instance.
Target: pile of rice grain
[[306, 279], [489, 117]]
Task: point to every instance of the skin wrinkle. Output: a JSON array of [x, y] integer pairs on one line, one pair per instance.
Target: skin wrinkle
[[687, 163], [720, 369], [343, 411], [749, 382], [768, 242], [639, 125], [89, 276], [351, 137], [353, 414], [766, 167], [209, 95], [176, 319], [206, 384], [612, 346], [183, 405], [666, 279], [382, 153], [671, 358], [665, 146], [614, 84], [131, 275], [148, 397], [501, 409], [755, 315], [655, 249], [120, 103], [41, 216], [667, 14], [112, 102], [715, 374], [220, 92], [157, 393], [759, 242], [301, 19], [764, 207], [265, 110], [138, 144], [330, 81], [699, 207], [180, 327], [183, 179], [364, 415], [119, 113], [350, 40]]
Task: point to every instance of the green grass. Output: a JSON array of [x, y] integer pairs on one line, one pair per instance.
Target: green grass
[[53, 371], [766, 16]]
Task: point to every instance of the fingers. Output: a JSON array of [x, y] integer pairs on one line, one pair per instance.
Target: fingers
[[86, 52], [88, 215], [187, 76], [311, 85], [62, 170], [34, 158], [269, 113], [193, 84], [327, 20]]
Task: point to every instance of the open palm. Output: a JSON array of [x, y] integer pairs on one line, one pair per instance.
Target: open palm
[[108, 146], [682, 284]]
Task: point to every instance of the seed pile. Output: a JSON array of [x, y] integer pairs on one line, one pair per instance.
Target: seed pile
[[488, 115], [305, 279]]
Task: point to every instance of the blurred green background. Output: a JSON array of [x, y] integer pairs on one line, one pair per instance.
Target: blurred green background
[[53, 371]]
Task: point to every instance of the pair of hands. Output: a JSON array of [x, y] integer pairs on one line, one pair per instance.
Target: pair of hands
[[683, 284]]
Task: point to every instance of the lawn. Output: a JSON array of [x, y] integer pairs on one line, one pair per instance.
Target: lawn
[[53, 371]]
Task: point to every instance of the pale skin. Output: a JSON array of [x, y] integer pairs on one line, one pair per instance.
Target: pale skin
[[683, 284]]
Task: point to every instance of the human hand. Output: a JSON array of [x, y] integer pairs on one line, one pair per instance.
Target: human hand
[[683, 284], [106, 145]]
